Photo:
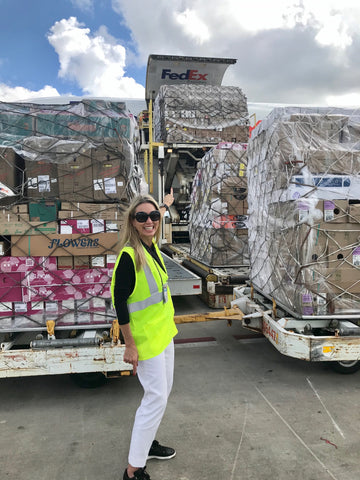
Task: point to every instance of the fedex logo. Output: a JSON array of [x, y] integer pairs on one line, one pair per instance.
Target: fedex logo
[[188, 75]]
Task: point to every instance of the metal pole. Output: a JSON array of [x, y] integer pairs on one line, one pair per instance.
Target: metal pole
[[65, 342], [146, 166], [151, 158]]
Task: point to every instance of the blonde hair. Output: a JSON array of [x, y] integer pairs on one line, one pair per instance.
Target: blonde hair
[[130, 236]]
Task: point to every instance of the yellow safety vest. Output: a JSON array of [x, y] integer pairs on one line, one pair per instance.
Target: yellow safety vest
[[151, 317]]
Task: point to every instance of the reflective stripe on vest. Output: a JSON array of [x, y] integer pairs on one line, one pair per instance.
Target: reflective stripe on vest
[[155, 295]]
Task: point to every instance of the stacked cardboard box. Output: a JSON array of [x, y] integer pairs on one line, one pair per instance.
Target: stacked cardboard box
[[218, 217], [304, 196], [72, 173], [88, 118], [102, 173], [200, 114]]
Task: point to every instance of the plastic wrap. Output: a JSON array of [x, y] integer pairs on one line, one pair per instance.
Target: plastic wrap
[[200, 114], [218, 216], [304, 205], [72, 170]]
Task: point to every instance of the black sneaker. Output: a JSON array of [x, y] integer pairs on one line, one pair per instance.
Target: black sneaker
[[140, 474], [160, 452]]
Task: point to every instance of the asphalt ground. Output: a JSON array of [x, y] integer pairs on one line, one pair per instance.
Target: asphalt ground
[[239, 410]]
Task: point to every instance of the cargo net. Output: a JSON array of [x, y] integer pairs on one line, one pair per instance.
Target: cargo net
[[200, 114], [304, 207], [218, 215], [67, 174]]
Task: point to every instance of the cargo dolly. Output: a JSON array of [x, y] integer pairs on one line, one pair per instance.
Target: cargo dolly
[[322, 338]]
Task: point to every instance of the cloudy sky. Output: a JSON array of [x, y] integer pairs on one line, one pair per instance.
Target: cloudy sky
[[287, 51]]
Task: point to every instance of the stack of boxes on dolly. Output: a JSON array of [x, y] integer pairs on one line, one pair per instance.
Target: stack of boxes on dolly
[[216, 117], [72, 170], [304, 204]]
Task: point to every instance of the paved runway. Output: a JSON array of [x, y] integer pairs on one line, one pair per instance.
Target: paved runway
[[239, 410]]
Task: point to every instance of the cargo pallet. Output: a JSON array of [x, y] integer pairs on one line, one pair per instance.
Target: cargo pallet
[[218, 282]]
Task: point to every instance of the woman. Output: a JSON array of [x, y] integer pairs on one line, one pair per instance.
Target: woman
[[146, 316]]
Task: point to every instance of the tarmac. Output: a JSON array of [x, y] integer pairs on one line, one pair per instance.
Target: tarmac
[[239, 410]]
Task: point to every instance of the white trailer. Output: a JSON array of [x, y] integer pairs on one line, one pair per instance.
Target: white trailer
[[312, 338], [91, 354]]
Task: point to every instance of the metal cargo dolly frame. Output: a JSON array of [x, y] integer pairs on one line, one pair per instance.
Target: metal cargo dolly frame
[[323, 338]]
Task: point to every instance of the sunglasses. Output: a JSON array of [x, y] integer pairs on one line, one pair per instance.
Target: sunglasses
[[141, 217]]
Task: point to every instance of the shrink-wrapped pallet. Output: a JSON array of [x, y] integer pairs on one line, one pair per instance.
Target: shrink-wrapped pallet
[[218, 216], [200, 114], [70, 172], [304, 197]]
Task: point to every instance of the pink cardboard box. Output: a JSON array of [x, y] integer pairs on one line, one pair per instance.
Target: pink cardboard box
[[6, 310], [24, 264], [74, 226], [65, 292], [39, 277], [10, 287]]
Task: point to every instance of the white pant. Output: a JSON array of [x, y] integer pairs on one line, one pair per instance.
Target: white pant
[[156, 378]]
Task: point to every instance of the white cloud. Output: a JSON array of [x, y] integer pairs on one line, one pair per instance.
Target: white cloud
[[84, 5], [193, 26], [205, 20], [298, 51], [95, 62], [14, 94], [346, 100], [334, 32]]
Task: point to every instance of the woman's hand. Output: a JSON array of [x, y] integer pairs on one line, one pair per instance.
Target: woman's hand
[[131, 353], [169, 198], [131, 356]]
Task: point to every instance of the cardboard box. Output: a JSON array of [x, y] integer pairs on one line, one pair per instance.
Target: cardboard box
[[97, 225], [64, 263], [113, 226], [299, 246], [41, 179], [20, 307], [64, 245], [354, 212], [26, 264], [110, 214], [10, 287], [98, 261], [332, 160], [344, 304], [81, 262], [308, 210], [7, 215], [111, 260], [325, 187], [10, 171], [335, 211], [235, 206], [43, 212], [20, 208], [28, 228], [75, 180], [343, 244], [34, 308], [344, 280], [108, 175], [68, 227], [91, 210], [6, 309], [65, 285], [4, 247]]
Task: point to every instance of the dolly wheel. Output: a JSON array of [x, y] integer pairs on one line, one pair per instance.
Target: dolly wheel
[[89, 380], [350, 366]]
